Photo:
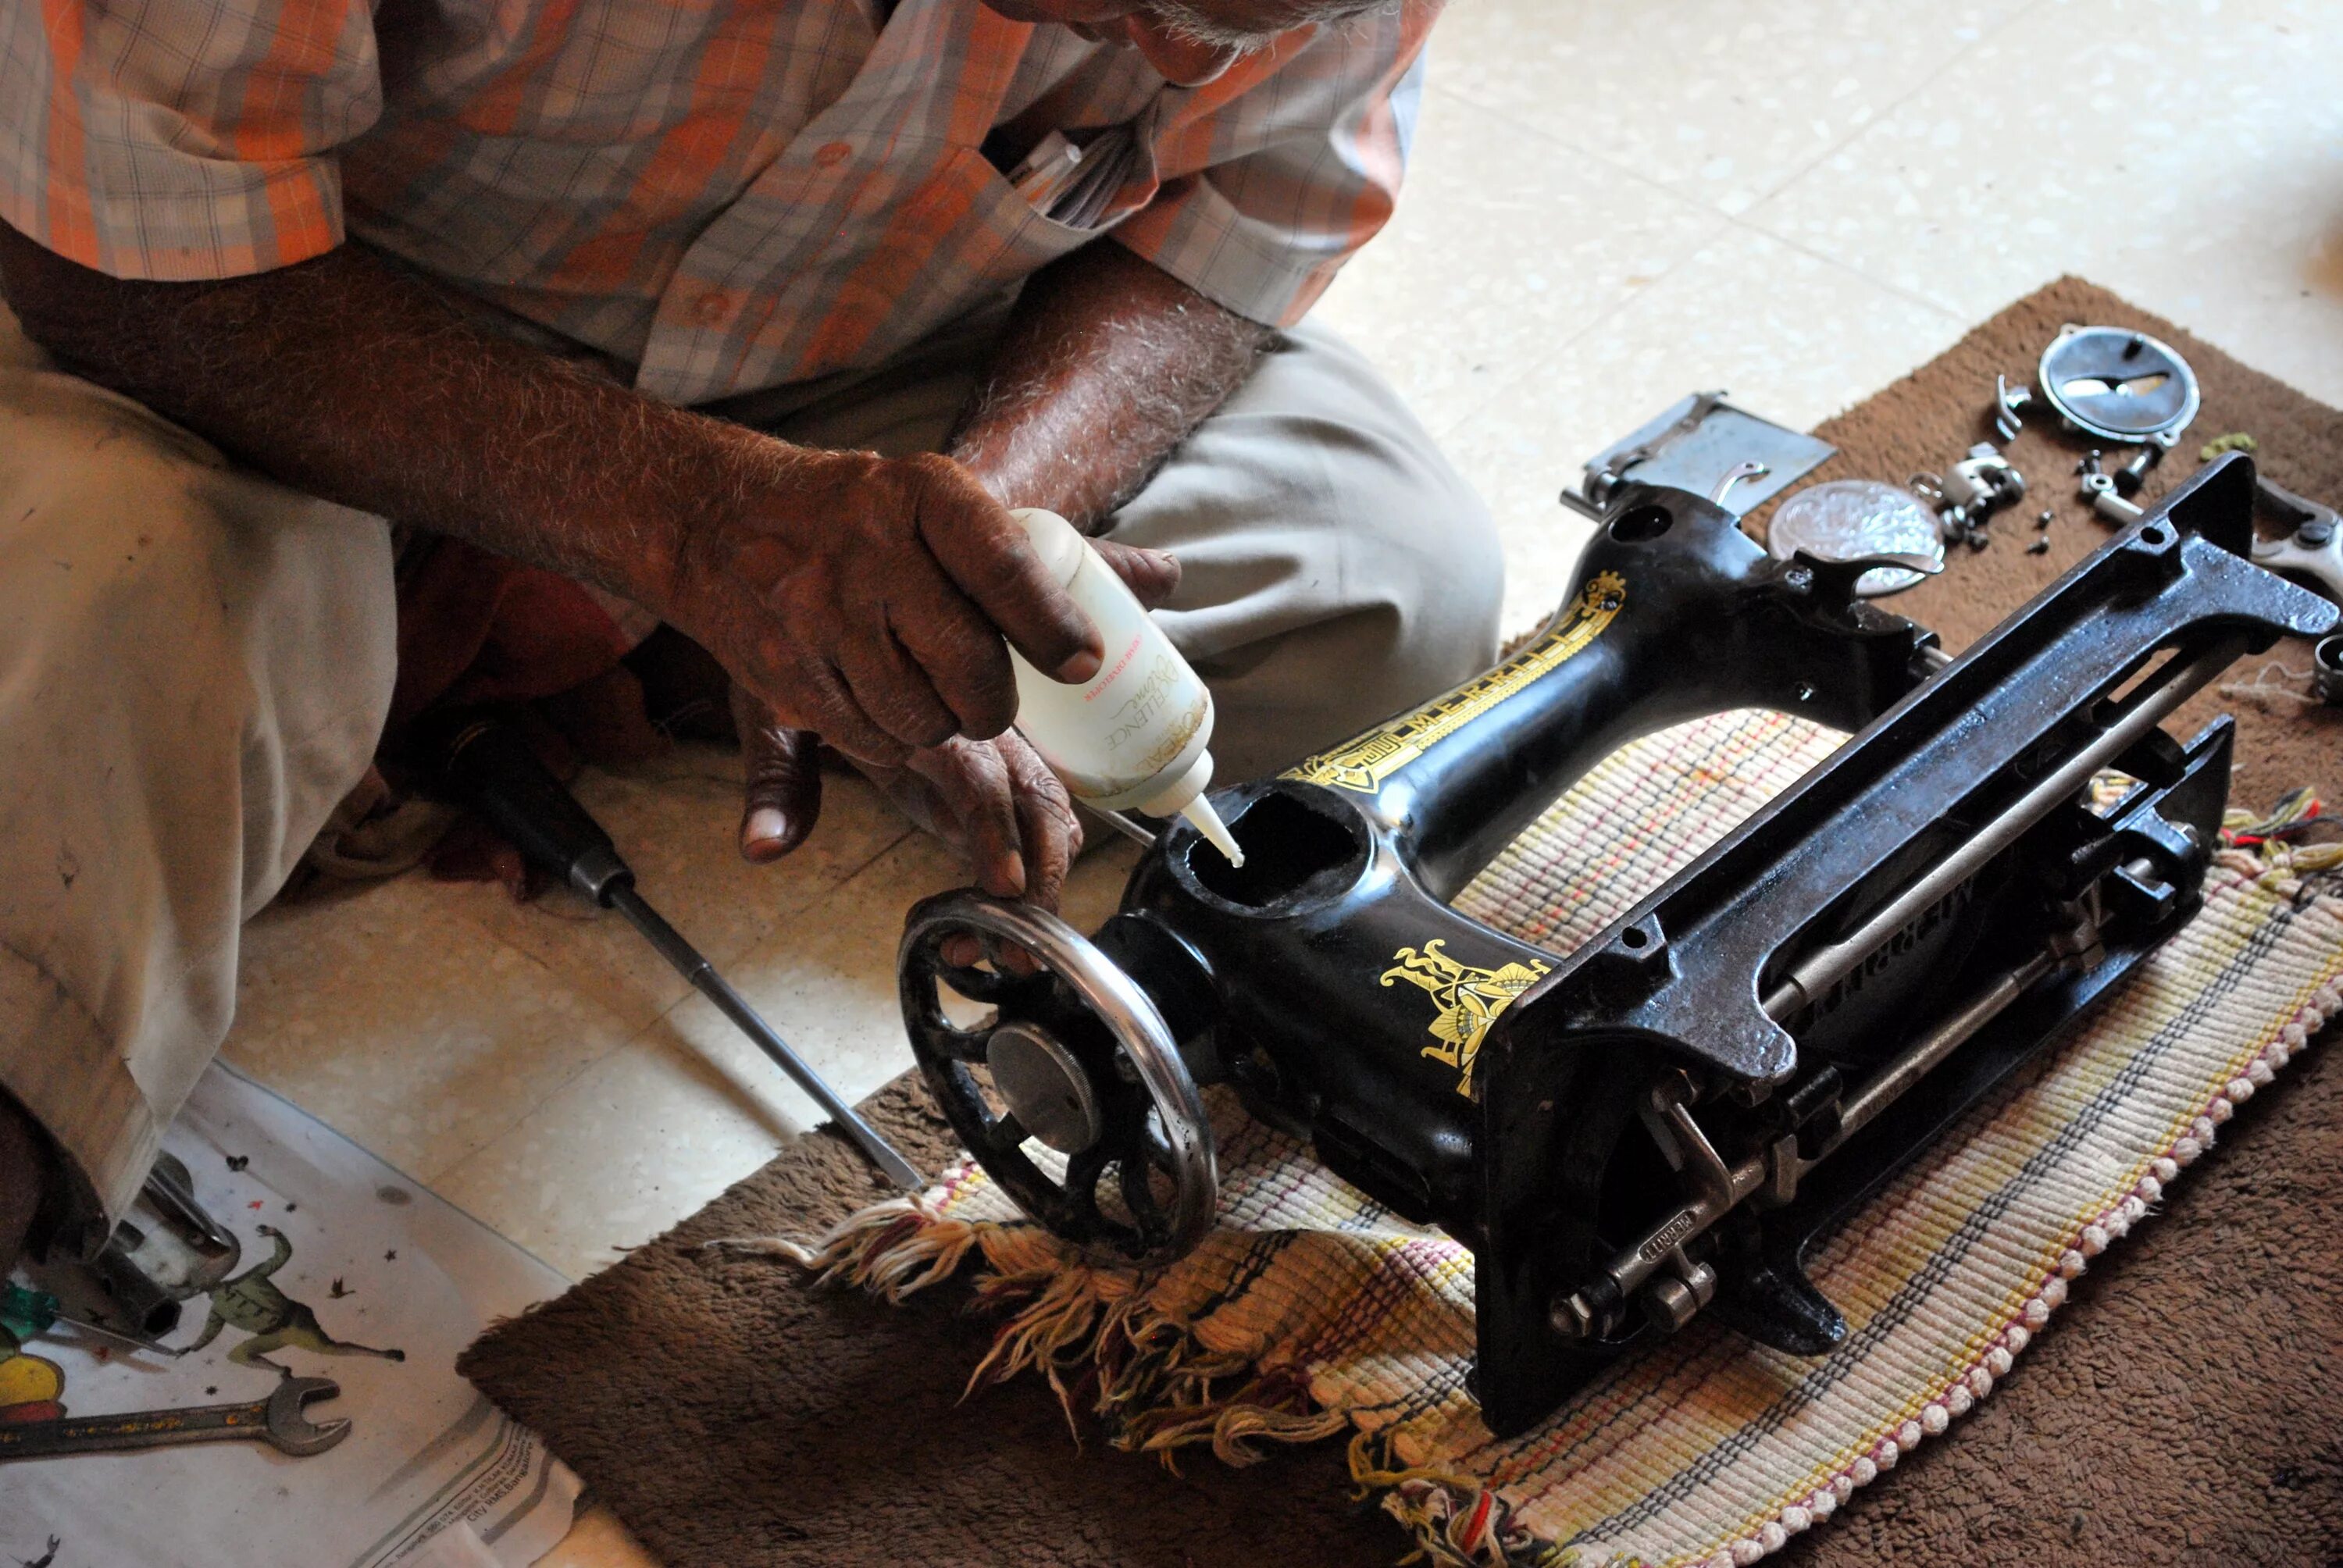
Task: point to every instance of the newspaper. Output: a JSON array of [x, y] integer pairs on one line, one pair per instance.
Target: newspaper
[[349, 1272]]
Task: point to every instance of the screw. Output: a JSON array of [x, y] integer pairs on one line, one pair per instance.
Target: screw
[[2038, 548], [2043, 520]]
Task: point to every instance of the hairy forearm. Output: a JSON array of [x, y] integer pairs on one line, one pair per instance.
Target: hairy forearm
[[1107, 363], [864, 597], [351, 379]]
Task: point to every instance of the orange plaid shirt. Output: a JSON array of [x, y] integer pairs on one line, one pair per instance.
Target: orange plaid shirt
[[723, 195]]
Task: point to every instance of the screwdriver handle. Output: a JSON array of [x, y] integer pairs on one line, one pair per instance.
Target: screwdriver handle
[[34, 1311], [485, 762]]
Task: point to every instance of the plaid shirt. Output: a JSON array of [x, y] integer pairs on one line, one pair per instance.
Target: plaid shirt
[[724, 195]]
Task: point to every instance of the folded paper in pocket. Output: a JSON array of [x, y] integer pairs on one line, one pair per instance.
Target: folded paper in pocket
[[1073, 183]]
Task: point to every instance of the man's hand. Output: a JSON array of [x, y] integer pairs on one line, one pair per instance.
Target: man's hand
[[866, 599], [995, 801]]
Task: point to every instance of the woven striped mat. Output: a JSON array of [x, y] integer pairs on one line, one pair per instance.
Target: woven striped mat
[[1312, 1312]]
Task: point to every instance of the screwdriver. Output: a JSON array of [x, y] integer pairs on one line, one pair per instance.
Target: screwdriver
[[485, 763], [28, 1314]]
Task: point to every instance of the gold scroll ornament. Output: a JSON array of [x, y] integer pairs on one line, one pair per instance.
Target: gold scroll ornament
[[1466, 1000], [1364, 763]]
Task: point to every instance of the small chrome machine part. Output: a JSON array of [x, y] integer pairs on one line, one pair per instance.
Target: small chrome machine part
[[166, 1251], [1733, 476], [2098, 487], [2134, 474], [1970, 492], [2313, 549], [1847, 520], [2009, 406], [1662, 1123], [2327, 670]]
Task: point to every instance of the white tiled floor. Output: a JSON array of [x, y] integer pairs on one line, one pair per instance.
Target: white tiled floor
[[1612, 203]]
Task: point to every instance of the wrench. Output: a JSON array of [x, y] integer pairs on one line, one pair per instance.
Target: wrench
[[2314, 549], [277, 1421]]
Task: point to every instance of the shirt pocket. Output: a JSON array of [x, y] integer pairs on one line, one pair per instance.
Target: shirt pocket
[[964, 236], [1115, 177]]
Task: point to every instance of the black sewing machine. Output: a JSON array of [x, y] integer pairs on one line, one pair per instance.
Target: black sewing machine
[[1663, 1121]]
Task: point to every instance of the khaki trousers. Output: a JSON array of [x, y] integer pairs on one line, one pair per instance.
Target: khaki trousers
[[196, 663]]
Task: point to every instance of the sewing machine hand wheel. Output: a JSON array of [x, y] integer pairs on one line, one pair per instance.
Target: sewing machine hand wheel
[[1075, 1057]]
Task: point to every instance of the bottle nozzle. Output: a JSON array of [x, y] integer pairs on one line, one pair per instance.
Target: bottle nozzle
[[1215, 832]]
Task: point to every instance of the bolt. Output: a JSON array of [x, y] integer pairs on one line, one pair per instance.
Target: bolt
[[1572, 1318], [2038, 548], [2043, 520]]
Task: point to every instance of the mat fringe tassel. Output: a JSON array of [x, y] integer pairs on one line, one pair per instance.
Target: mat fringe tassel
[[1151, 1384], [1158, 1388]]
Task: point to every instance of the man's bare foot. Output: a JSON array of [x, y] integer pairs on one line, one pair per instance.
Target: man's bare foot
[[21, 1173]]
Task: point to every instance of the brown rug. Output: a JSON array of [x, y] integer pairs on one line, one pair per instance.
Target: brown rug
[[2189, 1409]]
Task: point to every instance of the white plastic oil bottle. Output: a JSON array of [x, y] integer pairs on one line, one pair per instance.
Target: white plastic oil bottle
[[1137, 734]]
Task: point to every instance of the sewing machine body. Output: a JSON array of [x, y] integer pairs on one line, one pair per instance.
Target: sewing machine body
[[1354, 854], [1665, 1118]]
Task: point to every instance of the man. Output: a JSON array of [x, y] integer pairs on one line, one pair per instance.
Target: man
[[702, 304]]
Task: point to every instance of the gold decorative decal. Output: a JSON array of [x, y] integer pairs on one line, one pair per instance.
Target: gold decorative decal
[[1364, 763], [1467, 1001]]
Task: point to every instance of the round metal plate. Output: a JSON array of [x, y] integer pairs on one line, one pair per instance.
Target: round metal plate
[[1847, 519], [1046, 1088], [2117, 384]]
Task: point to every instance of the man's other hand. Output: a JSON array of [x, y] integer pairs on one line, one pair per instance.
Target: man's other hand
[[867, 599], [993, 799]]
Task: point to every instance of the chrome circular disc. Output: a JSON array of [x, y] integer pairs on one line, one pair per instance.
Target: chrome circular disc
[[2117, 384], [1847, 520], [1075, 1058], [1046, 1088]]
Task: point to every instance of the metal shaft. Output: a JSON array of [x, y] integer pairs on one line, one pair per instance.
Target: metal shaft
[[1815, 973], [1727, 1186], [1885, 1087], [133, 1341], [703, 978]]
